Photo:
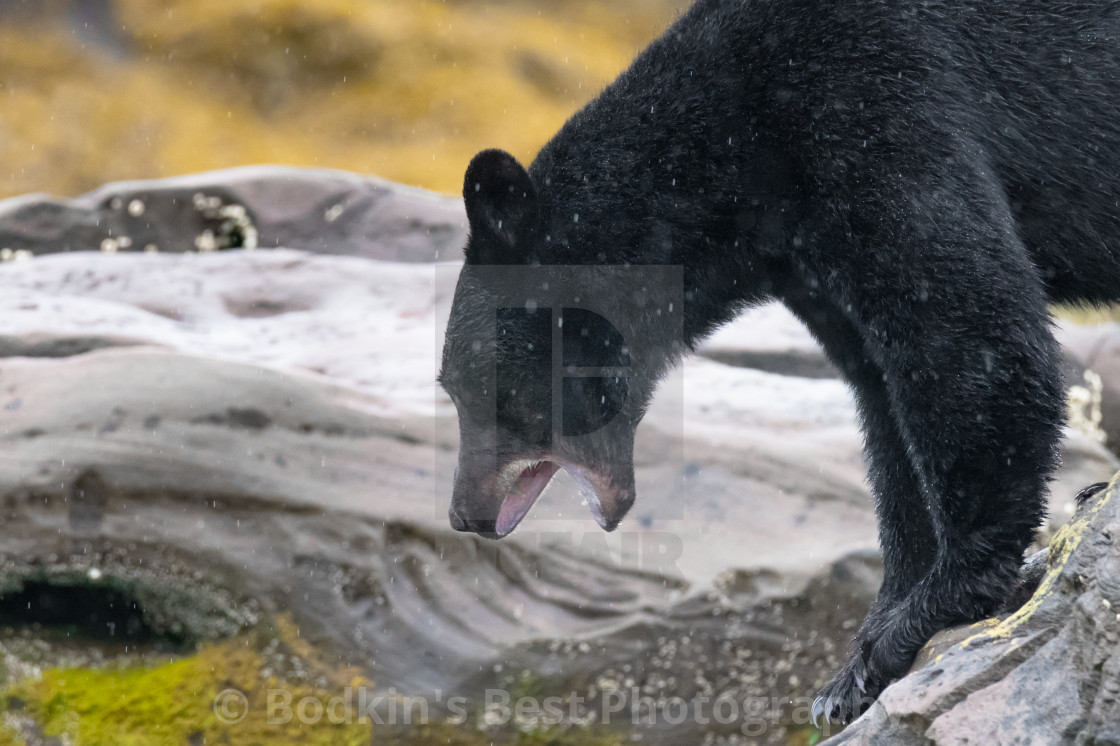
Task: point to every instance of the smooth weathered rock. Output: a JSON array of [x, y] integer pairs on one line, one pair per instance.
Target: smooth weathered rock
[[769, 338], [1047, 673], [721, 448], [268, 423], [218, 493], [274, 492], [321, 211]]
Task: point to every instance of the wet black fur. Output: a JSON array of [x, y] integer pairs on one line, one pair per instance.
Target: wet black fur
[[916, 181]]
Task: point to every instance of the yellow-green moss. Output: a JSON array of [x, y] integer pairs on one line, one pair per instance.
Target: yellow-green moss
[[8, 738], [172, 702], [1062, 547], [405, 90]]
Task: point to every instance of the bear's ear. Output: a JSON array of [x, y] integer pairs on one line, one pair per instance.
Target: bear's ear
[[501, 208]]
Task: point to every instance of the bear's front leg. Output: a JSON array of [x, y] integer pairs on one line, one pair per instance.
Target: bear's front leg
[[909, 543], [947, 307]]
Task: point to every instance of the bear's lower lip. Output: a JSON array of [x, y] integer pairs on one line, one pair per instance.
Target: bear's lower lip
[[528, 486]]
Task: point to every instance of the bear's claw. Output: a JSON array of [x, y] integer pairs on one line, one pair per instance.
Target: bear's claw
[[844, 698]]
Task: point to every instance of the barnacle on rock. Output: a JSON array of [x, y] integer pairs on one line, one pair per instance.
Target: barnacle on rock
[[235, 229]]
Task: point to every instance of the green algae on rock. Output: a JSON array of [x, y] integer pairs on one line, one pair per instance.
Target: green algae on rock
[[268, 685]]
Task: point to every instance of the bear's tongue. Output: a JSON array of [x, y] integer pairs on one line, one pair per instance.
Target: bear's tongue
[[521, 496]]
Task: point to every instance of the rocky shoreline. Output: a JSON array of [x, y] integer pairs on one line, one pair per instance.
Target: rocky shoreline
[[230, 436]]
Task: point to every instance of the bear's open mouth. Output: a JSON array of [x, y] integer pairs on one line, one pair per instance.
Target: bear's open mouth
[[525, 483]]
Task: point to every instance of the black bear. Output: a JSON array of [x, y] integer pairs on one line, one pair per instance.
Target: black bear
[[917, 181]]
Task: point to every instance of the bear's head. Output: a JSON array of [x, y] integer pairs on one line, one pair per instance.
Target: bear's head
[[550, 367]]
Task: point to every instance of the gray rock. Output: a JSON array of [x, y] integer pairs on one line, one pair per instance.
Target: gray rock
[[722, 448], [771, 339], [321, 211], [218, 494], [267, 424], [50, 345], [1047, 673]]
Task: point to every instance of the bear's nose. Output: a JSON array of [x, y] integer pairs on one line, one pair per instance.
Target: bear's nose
[[457, 521]]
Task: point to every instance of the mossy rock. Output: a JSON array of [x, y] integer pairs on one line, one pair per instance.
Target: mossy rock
[[268, 685]]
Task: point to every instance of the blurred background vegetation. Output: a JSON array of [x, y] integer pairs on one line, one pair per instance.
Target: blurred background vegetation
[[101, 90]]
